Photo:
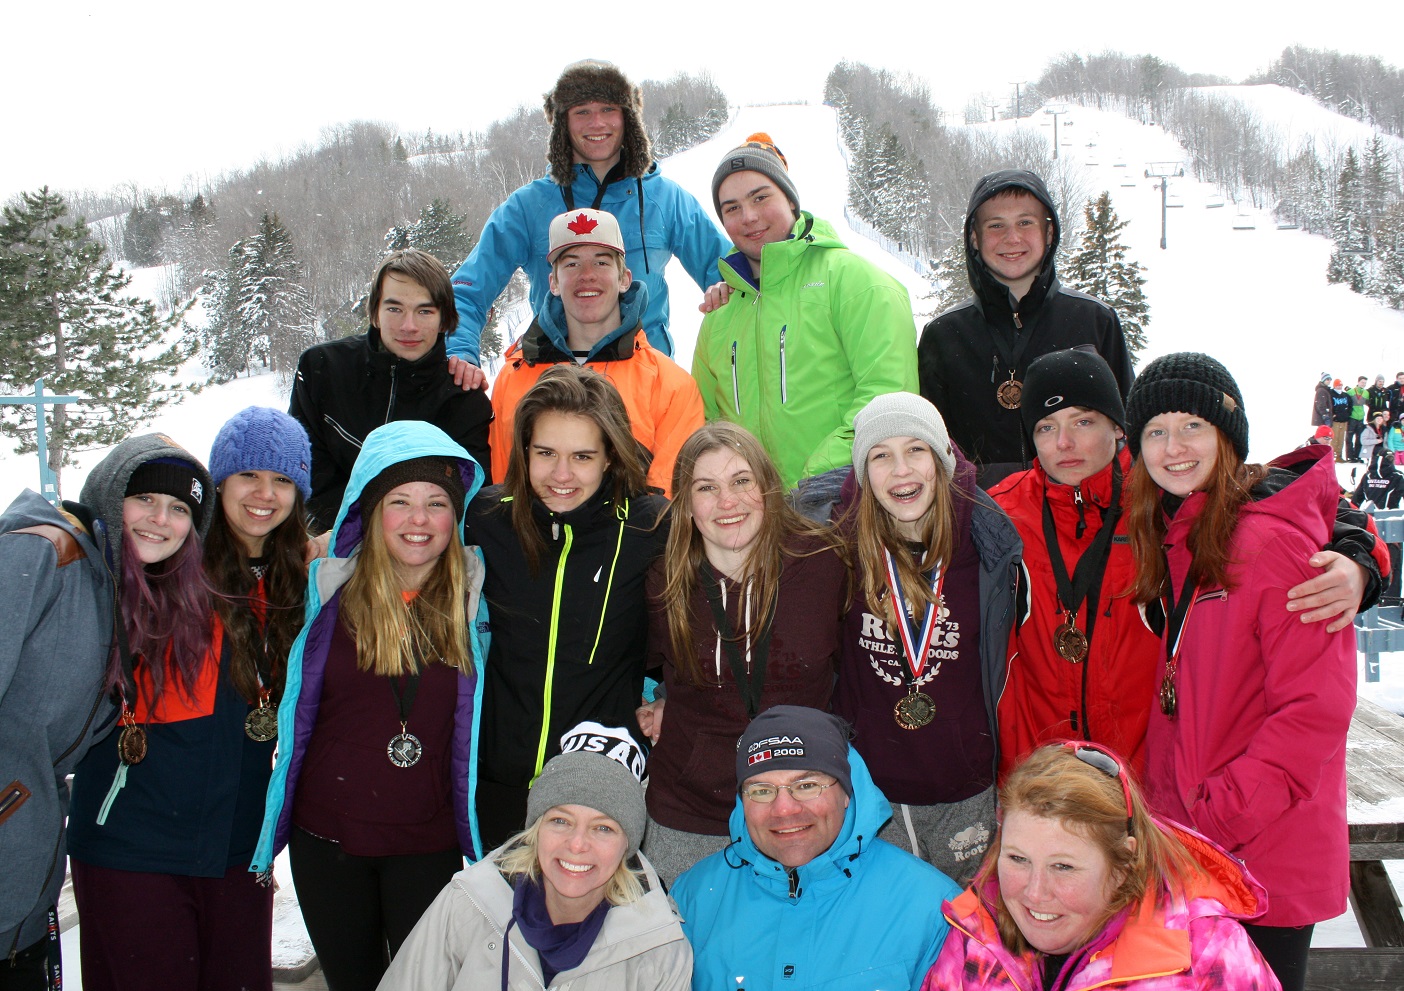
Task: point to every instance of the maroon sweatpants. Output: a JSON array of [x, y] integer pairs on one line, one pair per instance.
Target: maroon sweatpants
[[138, 931]]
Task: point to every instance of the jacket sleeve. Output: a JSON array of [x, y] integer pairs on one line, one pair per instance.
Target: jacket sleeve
[[503, 247], [327, 485], [703, 371], [1352, 537], [677, 412], [1113, 348], [434, 953], [470, 429], [878, 338], [1308, 697], [696, 241], [1221, 950]]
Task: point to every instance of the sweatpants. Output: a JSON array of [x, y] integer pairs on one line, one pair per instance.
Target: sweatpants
[[951, 837], [211, 933], [359, 910], [672, 851]]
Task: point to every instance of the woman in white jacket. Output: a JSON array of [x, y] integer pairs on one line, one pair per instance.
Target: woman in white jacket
[[568, 901]]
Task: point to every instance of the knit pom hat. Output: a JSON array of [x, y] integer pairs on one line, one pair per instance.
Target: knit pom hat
[[757, 154], [591, 81], [261, 439], [441, 471], [1187, 382], [599, 767], [178, 478], [1070, 378], [900, 414], [794, 738]]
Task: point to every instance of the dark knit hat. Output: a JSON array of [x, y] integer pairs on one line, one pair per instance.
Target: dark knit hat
[[590, 81], [757, 154], [177, 478], [900, 414], [441, 471], [1070, 378], [794, 738], [1187, 382], [263, 439], [599, 767]]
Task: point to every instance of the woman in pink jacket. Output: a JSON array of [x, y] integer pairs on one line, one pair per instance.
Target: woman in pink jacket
[[1084, 889], [1247, 740]]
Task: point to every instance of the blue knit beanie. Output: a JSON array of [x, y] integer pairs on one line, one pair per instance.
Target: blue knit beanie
[[263, 439]]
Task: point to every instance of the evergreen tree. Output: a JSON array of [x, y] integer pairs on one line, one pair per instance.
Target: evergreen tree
[[1100, 268], [440, 232], [1388, 283], [141, 237], [1349, 229], [65, 316], [1377, 183], [950, 281]]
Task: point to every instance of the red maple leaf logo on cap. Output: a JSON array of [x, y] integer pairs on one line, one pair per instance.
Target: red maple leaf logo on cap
[[582, 224]]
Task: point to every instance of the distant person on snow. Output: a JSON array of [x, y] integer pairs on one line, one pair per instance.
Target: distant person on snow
[[1321, 401], [594, 317], [396, 370], [600, 158], [1359, 405], [1340, 418], [818, 331], [974, 356]]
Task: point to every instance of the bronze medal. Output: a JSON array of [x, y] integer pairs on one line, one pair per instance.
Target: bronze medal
[[1010, 393], [1167, 696], [1070, 642], [915, 710], [131, 744], [404, 750], [261, 724]]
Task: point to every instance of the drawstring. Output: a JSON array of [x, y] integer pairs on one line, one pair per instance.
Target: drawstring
[[639, 180]]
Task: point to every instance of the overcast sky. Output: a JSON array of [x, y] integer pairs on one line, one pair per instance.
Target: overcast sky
[[155, 91]]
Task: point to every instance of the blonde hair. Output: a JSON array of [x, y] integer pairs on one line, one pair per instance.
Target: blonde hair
[[1054, 783], [521, 856], [433, 625]]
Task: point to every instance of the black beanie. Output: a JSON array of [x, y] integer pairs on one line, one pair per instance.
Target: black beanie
[[1070, 378], [441, 471], [1187, 382], [172, 477]]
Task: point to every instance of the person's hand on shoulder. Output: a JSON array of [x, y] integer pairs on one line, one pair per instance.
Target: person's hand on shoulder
[[1332, 595], [466, 375], [715, 297]]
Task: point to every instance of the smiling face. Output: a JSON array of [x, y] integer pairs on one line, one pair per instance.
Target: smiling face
[[754, 212], [903, 475], [1012, 233], [157, 524], [566, 460], [1074, 444], [794, 833], [590, 280], [1055, 883], [1180, 451], [255, 503], [596, 134], [407, 317], [416, 521], [728, 508], [579, 849]]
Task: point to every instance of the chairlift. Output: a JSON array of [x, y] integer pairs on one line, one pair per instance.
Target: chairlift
[[1128, 185], [1243, 222], [1288, 226], [1214, 201], [1174, 202]]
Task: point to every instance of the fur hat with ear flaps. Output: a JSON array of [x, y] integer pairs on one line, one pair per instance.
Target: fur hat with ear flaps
[[587, 81]]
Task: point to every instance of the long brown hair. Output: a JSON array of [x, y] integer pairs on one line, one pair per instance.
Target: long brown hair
[[255, 627], [571, 391], [1211, 533], [394, 637], [877, 533], [685, 552], [1053, 783]]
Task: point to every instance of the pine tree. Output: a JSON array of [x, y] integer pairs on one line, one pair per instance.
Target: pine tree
[[440, 232], [1388, 284], [949, 278], [65, 316], [1100, 269], [1349, 229]]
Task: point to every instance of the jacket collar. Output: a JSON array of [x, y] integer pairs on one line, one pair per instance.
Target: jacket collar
[[547, 339]]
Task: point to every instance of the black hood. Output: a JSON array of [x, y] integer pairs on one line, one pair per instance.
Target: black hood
[[987, 287]]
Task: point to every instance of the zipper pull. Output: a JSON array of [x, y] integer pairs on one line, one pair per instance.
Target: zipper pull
[[555, 531], [1017, 324], [1081, 511]]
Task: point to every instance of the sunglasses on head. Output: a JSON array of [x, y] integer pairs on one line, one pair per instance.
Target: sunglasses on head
[[1111, 767]]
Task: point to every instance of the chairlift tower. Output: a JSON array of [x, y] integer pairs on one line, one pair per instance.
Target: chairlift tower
[[1164, 171], [1054, 112]]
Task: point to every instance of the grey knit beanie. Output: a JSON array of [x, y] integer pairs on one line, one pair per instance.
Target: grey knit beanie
[[601, 768], [757, 154], [900, 414], [1187, 382]]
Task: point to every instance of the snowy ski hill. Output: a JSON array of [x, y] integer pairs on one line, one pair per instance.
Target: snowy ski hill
[[1254, 297]]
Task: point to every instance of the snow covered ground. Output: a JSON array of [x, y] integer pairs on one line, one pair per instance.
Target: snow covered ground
[[1255, 298]]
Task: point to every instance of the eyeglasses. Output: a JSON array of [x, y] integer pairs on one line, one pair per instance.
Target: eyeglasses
[[764, 792], [1111, 767]]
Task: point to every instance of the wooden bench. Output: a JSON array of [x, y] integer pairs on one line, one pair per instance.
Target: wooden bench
[[1375, 816]]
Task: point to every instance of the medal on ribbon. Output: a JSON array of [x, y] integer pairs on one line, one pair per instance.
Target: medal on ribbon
[[916, 709]]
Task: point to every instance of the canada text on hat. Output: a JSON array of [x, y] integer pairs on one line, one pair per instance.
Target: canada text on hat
[[581, 227], [614, 743]]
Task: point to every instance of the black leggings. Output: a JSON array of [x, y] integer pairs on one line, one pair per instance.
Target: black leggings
[[1285, 950], [359, 910]]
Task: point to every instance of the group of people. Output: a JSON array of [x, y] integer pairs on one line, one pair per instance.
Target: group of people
[[978, 618], [1362, 422]]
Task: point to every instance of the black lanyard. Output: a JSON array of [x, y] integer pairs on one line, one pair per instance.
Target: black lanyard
[[615, 173], [405, 701], [750, 683], [1092, 566]]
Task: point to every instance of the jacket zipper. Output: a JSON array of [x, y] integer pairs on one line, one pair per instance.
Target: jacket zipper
[[551, 652], [735, 385], [783, 328], [390, 406]]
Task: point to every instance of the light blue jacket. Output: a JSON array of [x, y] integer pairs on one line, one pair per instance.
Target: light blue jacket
[[653, 213], [863, 915], [399, 441]]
